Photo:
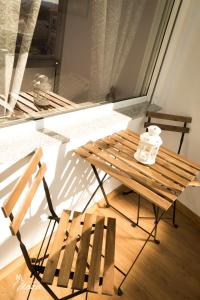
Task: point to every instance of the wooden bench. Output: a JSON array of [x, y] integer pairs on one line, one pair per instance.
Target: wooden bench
[[69, 258]]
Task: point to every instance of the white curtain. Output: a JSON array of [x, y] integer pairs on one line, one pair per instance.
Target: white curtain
[[24, 51], [114, 26], [9, 19]]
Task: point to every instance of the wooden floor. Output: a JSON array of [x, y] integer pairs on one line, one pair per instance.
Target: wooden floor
[[169, 271]]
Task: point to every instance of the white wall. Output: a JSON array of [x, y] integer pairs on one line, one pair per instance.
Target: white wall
[[178, 89]]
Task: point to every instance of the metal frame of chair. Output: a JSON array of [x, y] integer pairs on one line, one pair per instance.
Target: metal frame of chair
[[71, 236], [168, 127]]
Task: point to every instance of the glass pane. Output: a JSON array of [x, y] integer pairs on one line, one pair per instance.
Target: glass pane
[[108, 48], [44, 38]]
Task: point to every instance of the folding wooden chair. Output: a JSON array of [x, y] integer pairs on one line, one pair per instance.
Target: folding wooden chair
[[183, 129], [66, 259], [167, 126]]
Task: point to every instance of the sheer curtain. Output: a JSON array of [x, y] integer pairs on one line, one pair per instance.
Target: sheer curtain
[[11, 78], [24, 51], [114, 26], [9, 19]]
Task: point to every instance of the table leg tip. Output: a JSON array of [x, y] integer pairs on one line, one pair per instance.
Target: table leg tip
[[175, 225], [157, 242], [119, 292]]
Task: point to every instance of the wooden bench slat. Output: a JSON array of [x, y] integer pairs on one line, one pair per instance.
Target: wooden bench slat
[[57, 101], [24, 108], [23, 180], [53, 104], [163, 116], [63, 99], [108, 274], [68, 256], [123, 167], [27, 103], [93, 280], [132, 184], [55, 250], [20, 215], [168, 158], [79, 275]]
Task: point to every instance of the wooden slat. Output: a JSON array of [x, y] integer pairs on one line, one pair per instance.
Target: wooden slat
[[63, 99], [24, 108], [146, 170], [27, 103], [93, 280], [14, 227], [52, 103], [132, 173], [132, 184], [168, 117], [166, 157], [68, 256], [59, 102], [168, 127], [79, 275], [170, 152], [159, 160], [23, 180], [195, 183], [165, 172], [108, 275], [55, 250]]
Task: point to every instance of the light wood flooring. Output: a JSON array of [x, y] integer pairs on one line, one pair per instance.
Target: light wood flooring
[[169, 271]]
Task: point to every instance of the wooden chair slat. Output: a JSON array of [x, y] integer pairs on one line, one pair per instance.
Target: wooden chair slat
[[20, 215], [57, 244], [163, 116], [79, 275], [108, 274], [133, 174], [168, 158], [68, 256], [23, 180], [93, 280], [168, 127]]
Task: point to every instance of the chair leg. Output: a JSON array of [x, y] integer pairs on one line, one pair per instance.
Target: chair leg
[[174, 215]]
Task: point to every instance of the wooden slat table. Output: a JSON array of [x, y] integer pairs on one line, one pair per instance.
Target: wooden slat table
[[63, 257], [161, 184], [26, 105]]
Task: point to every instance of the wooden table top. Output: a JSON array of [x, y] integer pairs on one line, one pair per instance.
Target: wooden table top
[[25, 103], [160, 183]]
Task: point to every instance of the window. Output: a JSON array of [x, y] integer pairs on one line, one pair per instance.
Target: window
[[111, 48], [92, 51]]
